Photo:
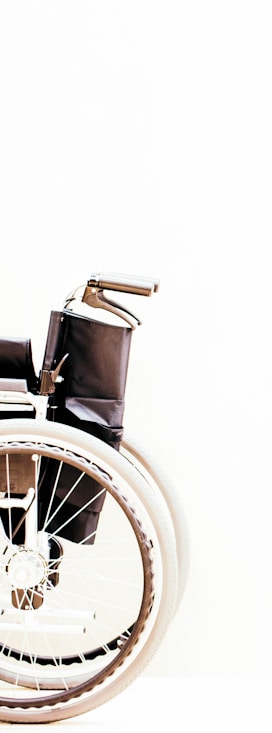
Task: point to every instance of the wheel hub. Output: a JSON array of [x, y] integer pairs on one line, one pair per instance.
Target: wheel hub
[[27, 572], [26, 569]]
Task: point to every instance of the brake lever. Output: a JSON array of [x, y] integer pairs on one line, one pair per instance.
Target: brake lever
[[96, 299]]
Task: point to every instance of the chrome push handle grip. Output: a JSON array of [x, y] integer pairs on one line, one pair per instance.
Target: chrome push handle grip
[[124, 283]]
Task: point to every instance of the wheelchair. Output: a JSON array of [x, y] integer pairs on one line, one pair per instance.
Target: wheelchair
[[93, 539]]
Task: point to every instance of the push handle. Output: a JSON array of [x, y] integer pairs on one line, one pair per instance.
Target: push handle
[[124, 283], [93, 294]]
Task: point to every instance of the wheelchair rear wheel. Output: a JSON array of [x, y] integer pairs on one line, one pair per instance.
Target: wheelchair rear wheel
[[79, 619]]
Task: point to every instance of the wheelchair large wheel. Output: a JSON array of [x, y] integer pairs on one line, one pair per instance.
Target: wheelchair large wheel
[[79, 619]]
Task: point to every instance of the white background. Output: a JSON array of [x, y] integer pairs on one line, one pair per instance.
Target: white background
[[136, 137]]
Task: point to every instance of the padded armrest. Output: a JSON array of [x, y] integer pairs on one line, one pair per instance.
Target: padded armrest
[[16, 361]]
